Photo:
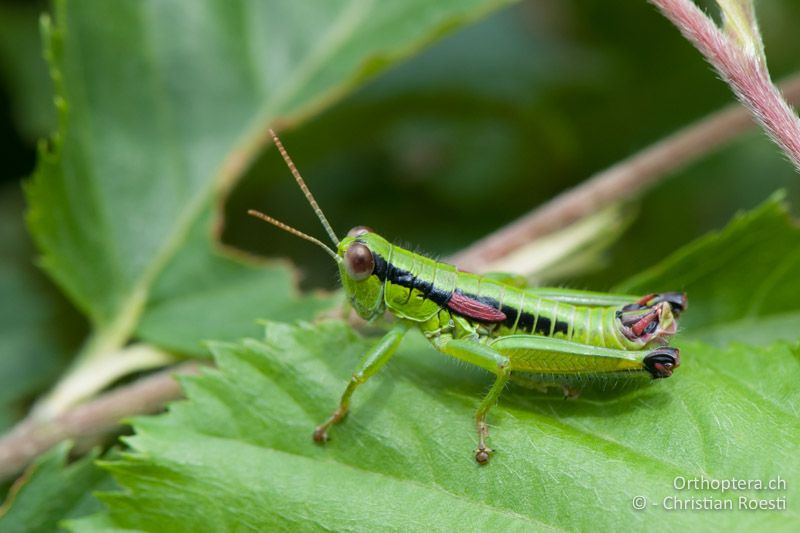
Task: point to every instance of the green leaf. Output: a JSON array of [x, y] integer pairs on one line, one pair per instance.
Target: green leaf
[[627, 437], [125, 199], [410, 434], [146, 143], [742, 282], [239, 454], [38, 329], [24, 69], [51, 491], [205, 295]]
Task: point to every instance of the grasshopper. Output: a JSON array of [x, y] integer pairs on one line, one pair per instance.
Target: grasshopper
[[539, 337]]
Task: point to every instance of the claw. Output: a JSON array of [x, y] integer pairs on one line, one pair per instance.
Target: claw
[[320, 435], [482, 455], [570, 392]]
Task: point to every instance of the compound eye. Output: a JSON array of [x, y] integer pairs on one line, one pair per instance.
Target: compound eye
[[359, 262], [359, 230]]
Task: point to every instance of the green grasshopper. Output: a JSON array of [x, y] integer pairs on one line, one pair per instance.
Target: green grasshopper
[[538, 337]]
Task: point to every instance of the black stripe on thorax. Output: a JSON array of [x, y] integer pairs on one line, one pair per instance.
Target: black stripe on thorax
[[527, 321], [398, 276]]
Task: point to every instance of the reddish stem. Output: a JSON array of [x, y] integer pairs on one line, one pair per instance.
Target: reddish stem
[[746, 73]]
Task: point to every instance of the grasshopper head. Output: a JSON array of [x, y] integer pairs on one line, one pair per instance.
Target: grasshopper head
[[362, 268], [362, 256]]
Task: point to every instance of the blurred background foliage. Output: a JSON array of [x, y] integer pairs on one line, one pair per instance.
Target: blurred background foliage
[[486, 124], [478, 129], [499, 117]]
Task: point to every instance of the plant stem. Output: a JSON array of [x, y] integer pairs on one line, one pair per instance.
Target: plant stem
[[93, 374], [32, 437], [737, 53], [625, 180]]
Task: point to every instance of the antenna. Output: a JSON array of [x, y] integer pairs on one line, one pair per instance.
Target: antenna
[[288, 228], [299, 179]]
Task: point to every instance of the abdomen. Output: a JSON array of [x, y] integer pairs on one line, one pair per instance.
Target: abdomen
[[532, 315]]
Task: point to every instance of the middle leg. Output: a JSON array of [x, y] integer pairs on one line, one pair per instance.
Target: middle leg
[[483, 356]]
